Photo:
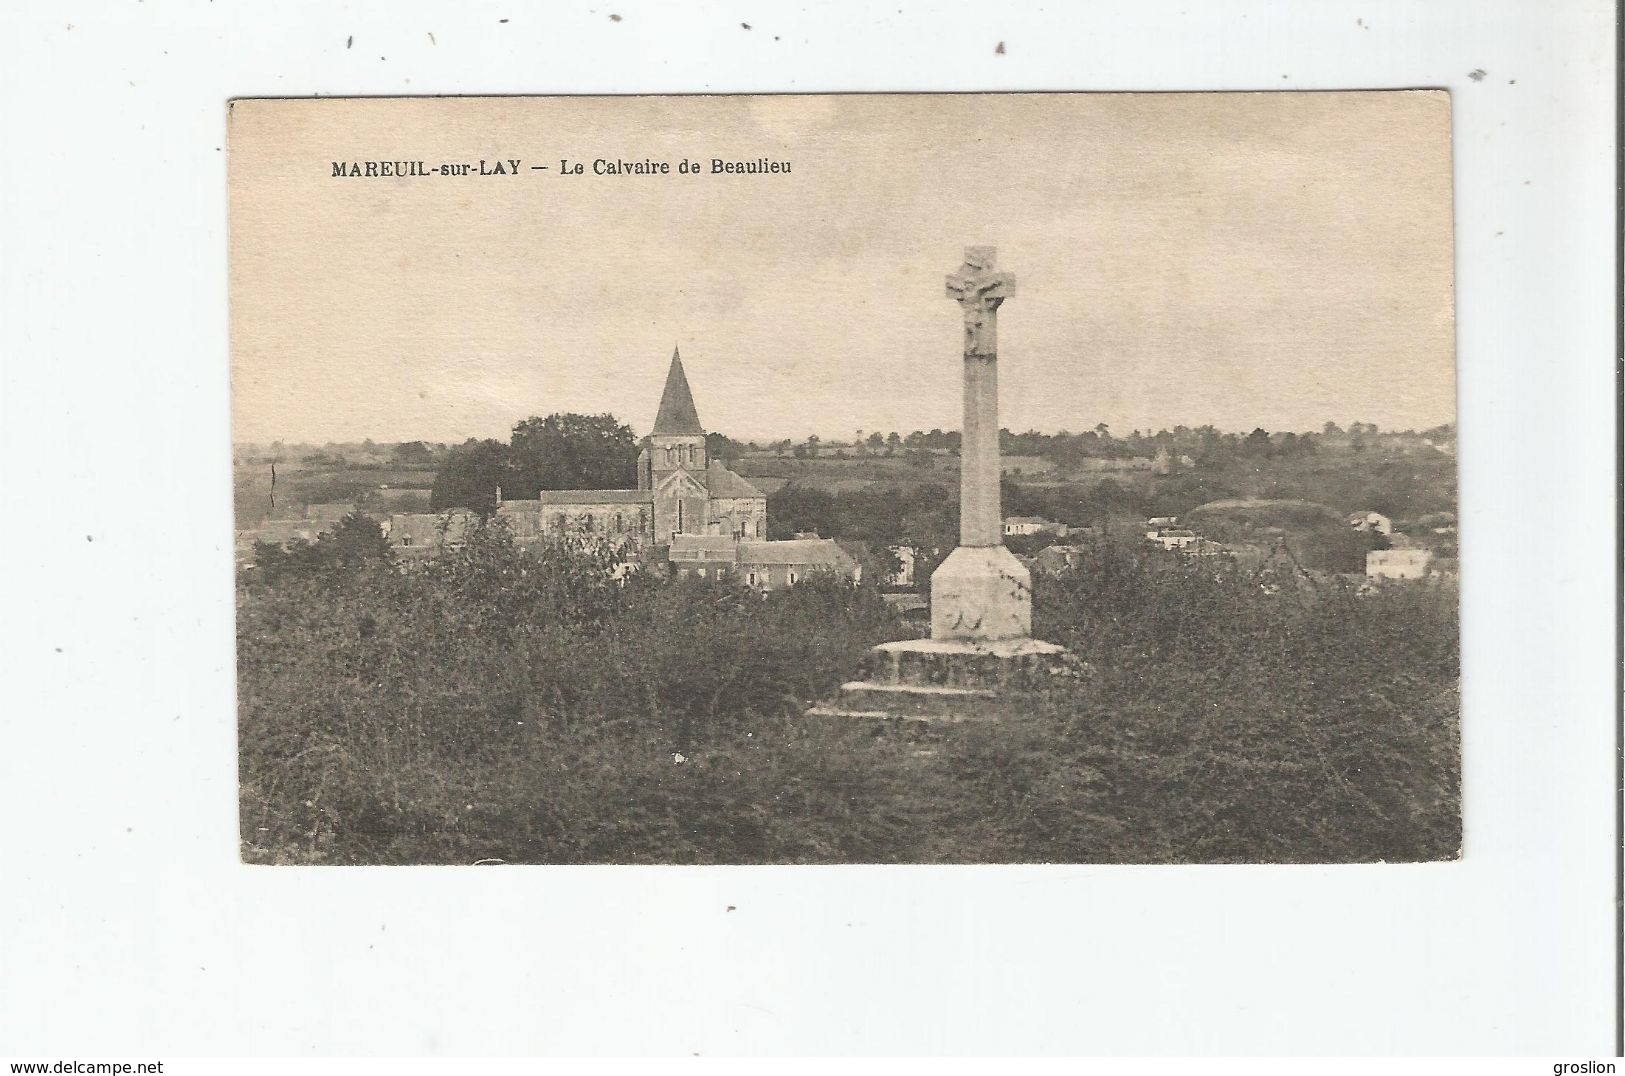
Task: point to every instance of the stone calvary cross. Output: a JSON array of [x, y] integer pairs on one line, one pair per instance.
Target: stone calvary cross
[[981, 641], [981, 592]]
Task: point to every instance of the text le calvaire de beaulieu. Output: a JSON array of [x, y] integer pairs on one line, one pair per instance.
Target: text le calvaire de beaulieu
[[567, 166]]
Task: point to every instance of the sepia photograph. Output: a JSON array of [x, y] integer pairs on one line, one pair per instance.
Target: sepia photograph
[[874, 479]]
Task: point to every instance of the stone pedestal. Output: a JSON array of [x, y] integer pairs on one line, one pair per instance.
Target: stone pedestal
[[947, 680], [981, 593]]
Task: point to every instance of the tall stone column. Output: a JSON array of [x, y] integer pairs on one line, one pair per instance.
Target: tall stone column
[[981, 593], [980, 291]]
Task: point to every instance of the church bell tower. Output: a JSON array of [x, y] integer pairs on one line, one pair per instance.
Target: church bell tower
[[673, 466], [677, 442]]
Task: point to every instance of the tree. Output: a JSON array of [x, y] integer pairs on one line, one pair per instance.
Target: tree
[[792, 509], [724, 449], [1257, 442], [876, 440], [412, 454], [570, 451], [470, 475], [351, 545]]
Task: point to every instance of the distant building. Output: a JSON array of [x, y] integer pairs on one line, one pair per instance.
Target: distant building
[[762, 565], [704, 555], [903, 574], [1172, 537], [774, 565], [1162, 521], [1164, 462], [1374, 522], [423, 534], [1025, 525], [1397, 563], [1057, 559], [614, 514]]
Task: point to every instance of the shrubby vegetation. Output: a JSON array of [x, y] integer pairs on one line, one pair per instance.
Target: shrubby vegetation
[[522, 706]]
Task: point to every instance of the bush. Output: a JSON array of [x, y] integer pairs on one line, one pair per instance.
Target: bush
[[493, 703]]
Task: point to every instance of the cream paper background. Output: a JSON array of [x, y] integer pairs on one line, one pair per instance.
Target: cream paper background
[[1271, 259]]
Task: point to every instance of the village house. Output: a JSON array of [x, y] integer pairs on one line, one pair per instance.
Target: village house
[[1397, 563], [1020, 526], [423, 534], [1172, 537], [763, 566], [1056, 559]]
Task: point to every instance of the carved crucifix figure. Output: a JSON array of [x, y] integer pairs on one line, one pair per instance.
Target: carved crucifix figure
[[979, 290]]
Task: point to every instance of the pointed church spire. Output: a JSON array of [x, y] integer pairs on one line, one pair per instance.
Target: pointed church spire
[[677, 414]]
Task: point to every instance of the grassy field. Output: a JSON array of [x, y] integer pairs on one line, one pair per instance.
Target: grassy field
[[383, 489]]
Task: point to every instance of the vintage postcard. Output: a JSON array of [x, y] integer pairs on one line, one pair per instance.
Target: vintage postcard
[[887, 479]]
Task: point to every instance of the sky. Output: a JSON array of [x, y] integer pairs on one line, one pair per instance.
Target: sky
[[1240, 260]]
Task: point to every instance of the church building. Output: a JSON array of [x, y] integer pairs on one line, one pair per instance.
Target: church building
[[681, 490]]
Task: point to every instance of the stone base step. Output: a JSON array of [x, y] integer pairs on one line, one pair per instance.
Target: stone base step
[[913, 700], [886, 715], [1011, 664], [948, 681]]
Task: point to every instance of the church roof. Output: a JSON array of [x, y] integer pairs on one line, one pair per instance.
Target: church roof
[[721, 482], [677, 414], [594, 496]]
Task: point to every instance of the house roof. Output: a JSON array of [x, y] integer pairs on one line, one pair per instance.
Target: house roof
[[677, 414], [812, 552], [722, 482], [593, 496], [722, 543], [1015, 520]]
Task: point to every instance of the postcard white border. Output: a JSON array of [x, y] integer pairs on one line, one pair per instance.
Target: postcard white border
[[130, 928]]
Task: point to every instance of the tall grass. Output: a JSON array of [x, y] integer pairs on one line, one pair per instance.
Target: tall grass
[[521, 706]]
